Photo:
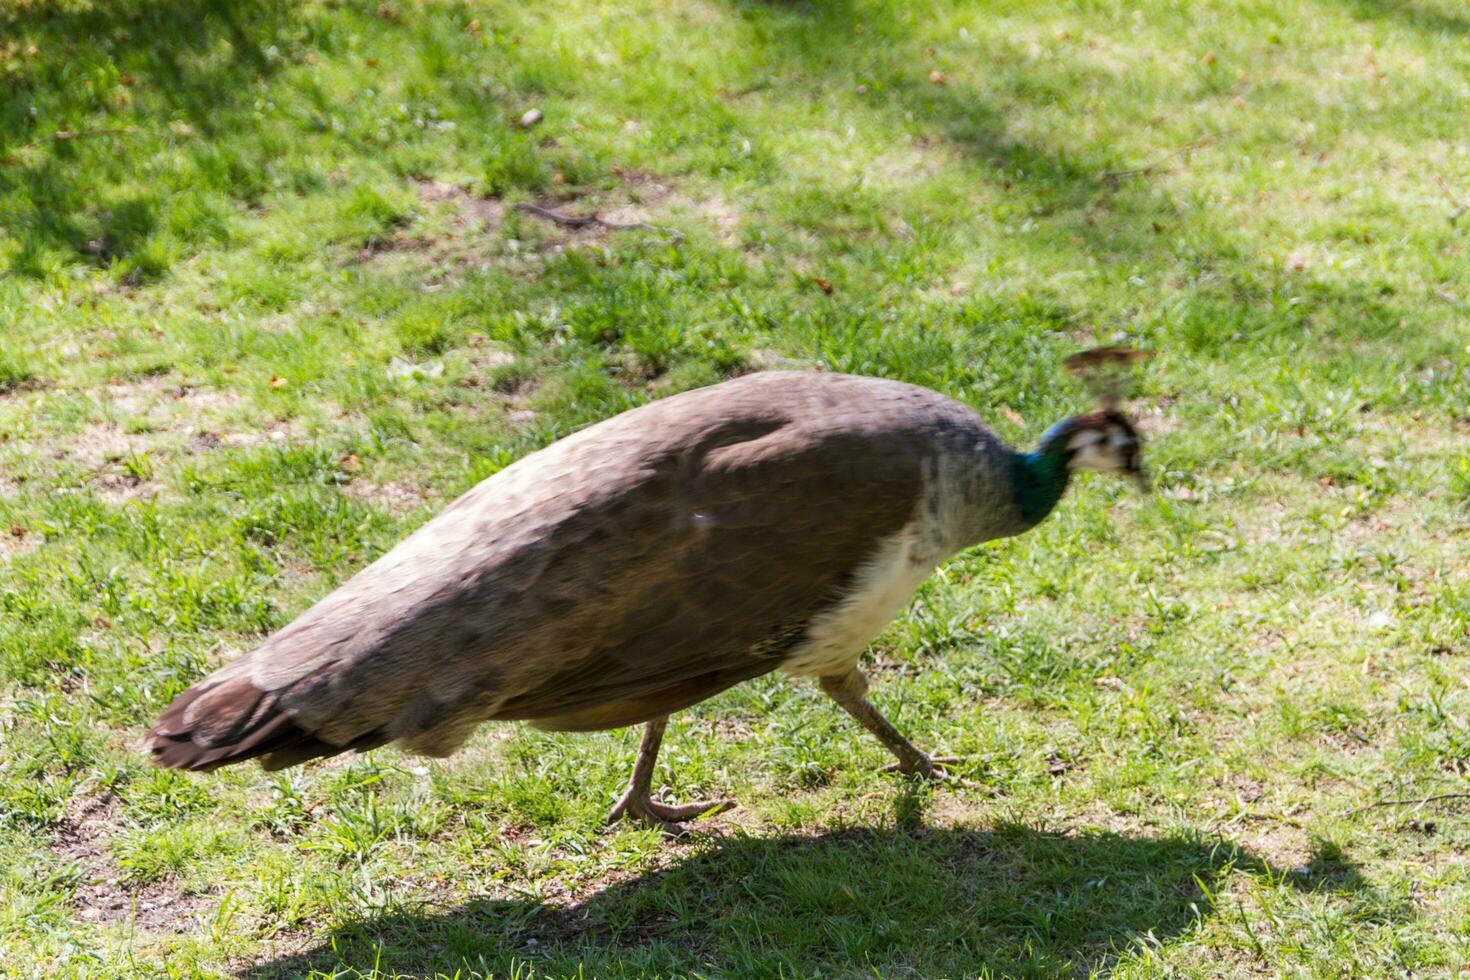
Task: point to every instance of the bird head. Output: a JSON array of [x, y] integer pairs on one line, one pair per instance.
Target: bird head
[[1105, 440]]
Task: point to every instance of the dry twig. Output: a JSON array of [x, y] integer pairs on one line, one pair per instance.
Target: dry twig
[[1421, 801], [1158, 166], [583, 220], [1460, 205], [65, 135]]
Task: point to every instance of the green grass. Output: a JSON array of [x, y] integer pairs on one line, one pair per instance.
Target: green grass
[[1177, 702]]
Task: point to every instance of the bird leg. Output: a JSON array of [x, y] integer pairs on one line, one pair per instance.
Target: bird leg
[[636, 801], [850, 691]]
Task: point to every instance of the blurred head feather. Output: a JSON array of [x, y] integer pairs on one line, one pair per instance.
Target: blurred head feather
[[1106, 371]]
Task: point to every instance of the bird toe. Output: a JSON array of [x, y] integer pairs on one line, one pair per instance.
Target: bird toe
[[667, 817]]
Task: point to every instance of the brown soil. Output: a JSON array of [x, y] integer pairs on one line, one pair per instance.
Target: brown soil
[[105, 895]]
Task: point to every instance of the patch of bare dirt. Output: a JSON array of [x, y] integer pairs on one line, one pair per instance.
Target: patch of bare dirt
[[163, 403], [487, 212], [105, 896], [397, 496], [761, 359], [16, 540], [474, 217], [102, 443], [715, 212], [482, 363], [19, 389], [639, 197], [274, 433], [636, 199], [115, 459], [725, 728], [154, 414], [105, 446], [120, 488], [910, 164], [468, 242], [1158, 421]]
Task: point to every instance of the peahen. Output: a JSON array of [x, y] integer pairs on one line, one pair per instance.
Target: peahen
[[775, 521]]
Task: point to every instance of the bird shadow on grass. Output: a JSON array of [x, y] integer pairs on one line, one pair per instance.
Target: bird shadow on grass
[[1010, 900]]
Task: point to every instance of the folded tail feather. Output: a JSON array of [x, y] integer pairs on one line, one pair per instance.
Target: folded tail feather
[[214, 725]]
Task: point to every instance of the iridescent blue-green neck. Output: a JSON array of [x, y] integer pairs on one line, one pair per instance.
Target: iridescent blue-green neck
[[1041, 476]]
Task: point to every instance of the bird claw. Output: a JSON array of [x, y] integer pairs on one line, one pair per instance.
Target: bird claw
[[667, 817], [935, 770]]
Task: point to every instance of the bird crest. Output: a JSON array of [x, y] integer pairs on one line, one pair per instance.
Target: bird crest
[[1106, 371]]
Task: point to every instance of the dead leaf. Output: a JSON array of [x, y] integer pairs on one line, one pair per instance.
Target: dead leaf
[[350, 463], [386, 12], [473, 26], [937, 77], [824, 286], [1209, 59], [1012, 415], [278, 382]]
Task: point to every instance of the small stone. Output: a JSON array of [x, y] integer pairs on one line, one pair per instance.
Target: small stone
[[1380, 620], [531, 118]]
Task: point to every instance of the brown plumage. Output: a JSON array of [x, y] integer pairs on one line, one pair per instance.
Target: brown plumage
[[637, 567]]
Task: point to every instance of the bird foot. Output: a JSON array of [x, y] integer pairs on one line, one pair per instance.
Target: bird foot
[[667, 817], [933, 767]]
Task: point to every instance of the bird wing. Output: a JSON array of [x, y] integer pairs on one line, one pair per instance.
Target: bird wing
[[767, 533], [639, 566]]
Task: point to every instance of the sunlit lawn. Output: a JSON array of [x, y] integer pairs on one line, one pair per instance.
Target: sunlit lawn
[[266, 303]]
